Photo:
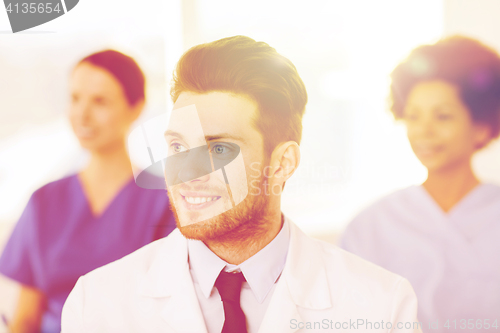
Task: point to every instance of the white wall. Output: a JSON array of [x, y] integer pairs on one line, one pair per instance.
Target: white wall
[[479, 19]]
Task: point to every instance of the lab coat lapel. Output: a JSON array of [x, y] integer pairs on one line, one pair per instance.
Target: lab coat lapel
[[303, 284], [281, 312], [169, 282]]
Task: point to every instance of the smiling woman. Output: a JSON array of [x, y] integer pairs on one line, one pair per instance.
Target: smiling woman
[[104, 102], [76, 224], [441, 130], [448, 95], [442, 236]]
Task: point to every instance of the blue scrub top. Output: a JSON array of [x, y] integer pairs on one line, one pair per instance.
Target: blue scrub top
[[58, 239]]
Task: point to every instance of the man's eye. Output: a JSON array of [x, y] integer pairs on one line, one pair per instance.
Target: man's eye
[[219, 149], [178, 148]]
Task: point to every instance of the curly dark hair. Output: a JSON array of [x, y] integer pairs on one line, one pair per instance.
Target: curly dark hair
[[464, 62]]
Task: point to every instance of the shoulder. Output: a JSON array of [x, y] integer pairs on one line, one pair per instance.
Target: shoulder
[[373, 228], [348, 267], [356, 269], [52, 201], [48, 198], [401, 201], [366, 289], [57, 188], [132, 266], [352, 282], [394, 200], [111, 293], [491, 192]]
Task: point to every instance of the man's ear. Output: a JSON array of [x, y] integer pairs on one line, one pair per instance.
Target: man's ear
[[285, 160], [482, 135]]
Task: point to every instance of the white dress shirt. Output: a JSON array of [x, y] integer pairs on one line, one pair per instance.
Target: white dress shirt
[[261, 272]]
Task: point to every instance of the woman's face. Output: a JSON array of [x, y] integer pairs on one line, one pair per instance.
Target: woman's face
[[99, 113], [439, 126]]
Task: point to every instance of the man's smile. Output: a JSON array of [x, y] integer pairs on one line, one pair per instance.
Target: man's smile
[[197, 200]]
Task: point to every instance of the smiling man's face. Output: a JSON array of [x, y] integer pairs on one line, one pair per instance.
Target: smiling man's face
[[212, 142]]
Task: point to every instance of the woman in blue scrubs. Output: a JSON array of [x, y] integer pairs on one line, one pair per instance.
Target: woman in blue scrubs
[[76, 224], [443, 236]]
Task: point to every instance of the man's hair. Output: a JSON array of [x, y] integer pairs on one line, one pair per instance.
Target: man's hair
[[240, 65], [124, 69], [464, 62]]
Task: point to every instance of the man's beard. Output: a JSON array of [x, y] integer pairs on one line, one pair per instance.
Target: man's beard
[[248, 219]]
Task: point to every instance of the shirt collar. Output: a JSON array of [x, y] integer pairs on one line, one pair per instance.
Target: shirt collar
[[261, 270]]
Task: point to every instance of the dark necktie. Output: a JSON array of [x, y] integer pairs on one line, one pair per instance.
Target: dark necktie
[[229, 287]]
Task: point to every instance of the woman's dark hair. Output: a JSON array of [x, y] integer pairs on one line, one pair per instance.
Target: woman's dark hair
[[464, 62], [124, 69]]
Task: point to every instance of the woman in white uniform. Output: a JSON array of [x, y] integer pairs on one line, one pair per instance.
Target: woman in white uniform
[[444, 235]]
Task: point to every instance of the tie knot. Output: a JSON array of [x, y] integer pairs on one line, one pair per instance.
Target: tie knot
[[229, 286]]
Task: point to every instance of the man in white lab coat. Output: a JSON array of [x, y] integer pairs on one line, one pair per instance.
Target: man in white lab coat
[[235, 263]]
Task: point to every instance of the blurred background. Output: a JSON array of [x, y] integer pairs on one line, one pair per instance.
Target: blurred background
[[353, 151]]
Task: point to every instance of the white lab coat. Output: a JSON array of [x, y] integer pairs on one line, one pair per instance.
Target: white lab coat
[[321, 287]]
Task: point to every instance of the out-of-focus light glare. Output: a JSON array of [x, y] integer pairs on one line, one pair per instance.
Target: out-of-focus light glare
[[340, 85]]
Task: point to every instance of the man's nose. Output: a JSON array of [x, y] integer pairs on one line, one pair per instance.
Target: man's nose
[[194, 164]]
